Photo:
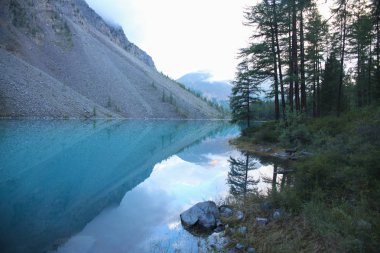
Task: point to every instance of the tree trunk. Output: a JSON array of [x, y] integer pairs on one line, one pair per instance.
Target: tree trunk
[[303, 81], [342, 60], [290, 65], [318, 89], [314, 85], [295, 56], [283, 106], [248, 111], [369, 72], [377, 74]]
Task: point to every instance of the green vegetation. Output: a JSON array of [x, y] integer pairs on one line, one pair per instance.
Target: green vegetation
[[322, 106], [19, 16], [170, 99], [331, 202]]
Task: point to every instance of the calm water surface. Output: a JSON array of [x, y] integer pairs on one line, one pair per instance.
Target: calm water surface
[[110, 186]]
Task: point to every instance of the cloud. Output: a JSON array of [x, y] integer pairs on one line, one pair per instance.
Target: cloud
[[183, 36]]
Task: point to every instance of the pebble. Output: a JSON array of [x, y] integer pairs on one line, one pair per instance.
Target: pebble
[[261, 221], [239, 215], [251, 250], [239, 246], [242, 230]]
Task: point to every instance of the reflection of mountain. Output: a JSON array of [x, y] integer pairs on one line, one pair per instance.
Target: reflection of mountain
[[56, 176], [218, 91]]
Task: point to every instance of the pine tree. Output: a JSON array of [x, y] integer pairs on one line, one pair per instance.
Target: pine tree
[[245, 93], [330, 85]]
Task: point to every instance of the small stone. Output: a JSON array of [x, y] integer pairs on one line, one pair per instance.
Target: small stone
[[281, 155], [277, 214], [239, 246], [364, 225], [242, 230], [251, 250], [225, 211], [261, 221], [239, 215]]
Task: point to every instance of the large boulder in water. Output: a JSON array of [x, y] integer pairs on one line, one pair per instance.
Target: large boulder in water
[[202, 217]]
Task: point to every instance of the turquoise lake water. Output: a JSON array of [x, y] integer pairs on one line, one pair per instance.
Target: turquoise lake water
[[110, 186]]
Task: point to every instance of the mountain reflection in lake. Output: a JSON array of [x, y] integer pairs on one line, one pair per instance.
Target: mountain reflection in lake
[[109, 186]]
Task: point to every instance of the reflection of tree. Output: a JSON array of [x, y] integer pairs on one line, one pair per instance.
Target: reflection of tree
[[238, 177], [281, 177]]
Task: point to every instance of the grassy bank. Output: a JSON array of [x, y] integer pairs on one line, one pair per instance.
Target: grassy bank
[[332, 203]]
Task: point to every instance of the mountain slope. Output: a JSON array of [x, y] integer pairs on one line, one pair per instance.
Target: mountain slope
[[60, 59]]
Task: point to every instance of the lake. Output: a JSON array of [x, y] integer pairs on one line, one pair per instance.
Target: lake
[[112, 186]]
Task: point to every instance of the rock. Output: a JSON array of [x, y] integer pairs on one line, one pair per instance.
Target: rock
[[217, 242], [251, 250], [219, 227], [261, 221], [305, 153], [239, 215], [225, 211], [203, 216], [277, 214], [239, 246], [363, 225], [242, 230]]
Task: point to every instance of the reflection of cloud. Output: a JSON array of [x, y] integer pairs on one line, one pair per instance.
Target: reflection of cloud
[[213, 163], [150, 212], [174, 225], [125, 228]]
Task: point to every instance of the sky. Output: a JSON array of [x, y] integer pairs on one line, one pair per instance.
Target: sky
[[183, 36]]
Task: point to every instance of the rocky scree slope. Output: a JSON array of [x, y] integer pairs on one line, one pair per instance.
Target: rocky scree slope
[[60, 59]]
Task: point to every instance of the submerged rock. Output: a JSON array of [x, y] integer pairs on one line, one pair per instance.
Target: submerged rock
[[201, 218]]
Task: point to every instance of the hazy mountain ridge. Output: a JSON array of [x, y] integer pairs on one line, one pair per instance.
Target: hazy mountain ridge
[[202, 82], [61, 46]]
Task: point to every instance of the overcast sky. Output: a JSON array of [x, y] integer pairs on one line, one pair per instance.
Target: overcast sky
[[183, 36]]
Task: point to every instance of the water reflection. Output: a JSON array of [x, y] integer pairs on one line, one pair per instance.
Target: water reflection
[[56, 176], [115, 186], [239, 179], [250, 173], [147, 219]]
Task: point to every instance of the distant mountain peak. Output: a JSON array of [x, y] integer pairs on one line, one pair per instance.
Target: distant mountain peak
[[203, 83]]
